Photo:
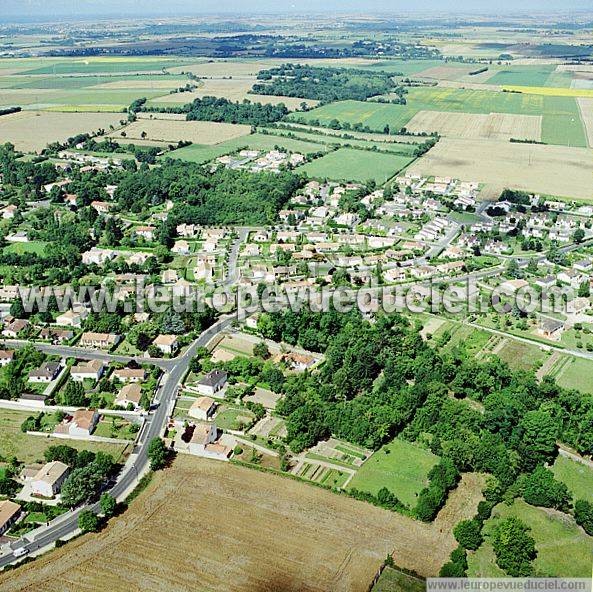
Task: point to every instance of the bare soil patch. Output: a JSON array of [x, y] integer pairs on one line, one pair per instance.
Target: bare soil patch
[[205, 525], [552, 170]]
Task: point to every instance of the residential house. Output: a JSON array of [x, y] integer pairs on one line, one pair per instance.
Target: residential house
[[551, 328], [129, 374], [9, 514], [212, 383], [168, 344], [47, 372], [82, 423], [145, 232], [48, 481], [56, 335], [203, 434], [202, 408], [99, 340], [181, 247], [91, 370], [71, 318], [6, 356], [129, 394], [102, 207], [98, 256]]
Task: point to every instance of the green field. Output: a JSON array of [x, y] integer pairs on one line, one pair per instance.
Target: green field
[[36, 247], [113, 65], [374, 115], [561, 118], [400, 466], [523, 75], [406, 67], [392, 580], [202, 153], [349, 164], [576, 476], [563, 548], [29, 449], [393, 147], [575, 373]]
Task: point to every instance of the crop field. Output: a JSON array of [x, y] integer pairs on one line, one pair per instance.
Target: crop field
[[374, 115], [551, 91], [200, 132], [563, 548], [32, 130], [586, 109], [399, 148], [349, 164], [104, 65], [233, 89], [400, 466], [523, 75], [450, 71], [298, 537], [578, 477], [29, 449], [561, 122], [552, 170], [407, 67], [203, 153], [498, 126]]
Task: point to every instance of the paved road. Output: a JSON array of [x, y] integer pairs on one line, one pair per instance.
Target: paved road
[[66, 525]]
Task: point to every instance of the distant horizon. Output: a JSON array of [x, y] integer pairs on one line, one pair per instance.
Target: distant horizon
[[19, 11]]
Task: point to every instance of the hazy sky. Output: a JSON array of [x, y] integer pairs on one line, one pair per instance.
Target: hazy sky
[[48, 8]]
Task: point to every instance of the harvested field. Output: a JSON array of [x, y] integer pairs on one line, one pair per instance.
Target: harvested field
[[234, 89], [498, 126], [462, 502], [251, 532], [199, 132], [448, 72], [32, 130], [162, 116], [586, 108], [551, 170]]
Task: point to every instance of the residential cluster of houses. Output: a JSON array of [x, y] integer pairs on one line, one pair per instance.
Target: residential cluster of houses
[[257, 161]]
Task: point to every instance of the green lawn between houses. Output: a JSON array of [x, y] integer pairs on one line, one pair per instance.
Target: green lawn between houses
[[400, 466]]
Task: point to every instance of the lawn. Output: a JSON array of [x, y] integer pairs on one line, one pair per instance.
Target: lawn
[[29, 449], [563, 548], [400, 466], [521, 356], [36, 247], [576, 373], [349, 164], [233, 418], [115, 427], [576, 476]]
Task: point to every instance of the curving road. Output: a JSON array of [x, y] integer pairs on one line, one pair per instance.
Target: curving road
[[138, 464]]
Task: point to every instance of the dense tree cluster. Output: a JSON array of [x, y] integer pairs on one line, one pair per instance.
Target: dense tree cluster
[[323, 84], [223, 197], [222, 110], [382, 380]]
